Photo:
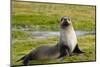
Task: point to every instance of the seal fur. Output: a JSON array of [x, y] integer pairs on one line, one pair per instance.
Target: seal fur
[[68, 35], [45, 52]]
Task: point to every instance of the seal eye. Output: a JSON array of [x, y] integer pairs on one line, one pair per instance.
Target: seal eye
[[64, 18], [61, 19]]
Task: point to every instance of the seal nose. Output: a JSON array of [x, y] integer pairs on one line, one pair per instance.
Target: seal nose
[[65, 19]]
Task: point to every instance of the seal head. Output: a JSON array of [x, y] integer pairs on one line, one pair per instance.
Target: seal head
[[65, 21]]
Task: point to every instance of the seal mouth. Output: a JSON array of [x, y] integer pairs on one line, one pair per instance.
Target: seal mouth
[[64, 23]]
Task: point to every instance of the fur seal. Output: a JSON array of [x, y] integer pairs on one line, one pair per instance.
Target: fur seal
[[45, 52], [68, 35], [65, 47]]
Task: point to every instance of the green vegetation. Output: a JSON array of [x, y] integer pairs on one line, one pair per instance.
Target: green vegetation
[[46, 17], [19, 34], [86, 43]]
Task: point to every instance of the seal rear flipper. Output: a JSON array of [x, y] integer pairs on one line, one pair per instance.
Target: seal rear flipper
[[77, 50], [27, 59]]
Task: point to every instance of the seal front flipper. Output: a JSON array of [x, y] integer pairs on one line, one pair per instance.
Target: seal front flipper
[[77, 49], [64, 51]]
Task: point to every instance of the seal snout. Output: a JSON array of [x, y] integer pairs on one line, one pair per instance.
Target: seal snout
[[65, 18], [65, 21]]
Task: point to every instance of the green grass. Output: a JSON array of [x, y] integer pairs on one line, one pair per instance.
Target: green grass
[[47, 15], [86, 43], [20, 34]]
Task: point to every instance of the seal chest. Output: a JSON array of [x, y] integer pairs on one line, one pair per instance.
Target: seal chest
[[68, 37]]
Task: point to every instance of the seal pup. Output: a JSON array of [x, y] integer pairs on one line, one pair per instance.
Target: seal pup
[[68, 35], [45, 52]]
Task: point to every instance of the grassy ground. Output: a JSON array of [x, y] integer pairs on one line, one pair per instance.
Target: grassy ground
[[46, 17], [86, 43]]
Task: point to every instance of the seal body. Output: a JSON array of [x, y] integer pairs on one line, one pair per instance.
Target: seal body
[[68, 35], [45, 52]]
